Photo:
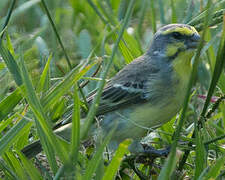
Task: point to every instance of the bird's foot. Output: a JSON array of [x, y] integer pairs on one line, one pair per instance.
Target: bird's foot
[[154, 153], [147, 157]]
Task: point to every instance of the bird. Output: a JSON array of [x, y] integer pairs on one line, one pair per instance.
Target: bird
[[146, 93]]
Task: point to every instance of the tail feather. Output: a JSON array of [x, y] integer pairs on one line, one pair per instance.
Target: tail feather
[[32, 149]]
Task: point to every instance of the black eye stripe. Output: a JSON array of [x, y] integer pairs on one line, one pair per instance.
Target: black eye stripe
[[177, 35]]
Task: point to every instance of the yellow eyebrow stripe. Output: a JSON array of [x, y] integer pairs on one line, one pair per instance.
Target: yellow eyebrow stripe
[[182, 30]]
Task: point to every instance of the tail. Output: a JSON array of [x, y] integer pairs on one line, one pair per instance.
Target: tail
[[32, 149]]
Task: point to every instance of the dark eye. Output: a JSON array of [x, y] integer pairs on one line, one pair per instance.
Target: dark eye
[[177, 35]]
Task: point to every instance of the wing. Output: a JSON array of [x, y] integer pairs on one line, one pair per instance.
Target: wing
[[118, 96], [129, 86]]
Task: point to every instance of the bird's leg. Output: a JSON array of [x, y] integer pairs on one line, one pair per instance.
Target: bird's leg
[[144, 154], [154, 153], [140, 149]]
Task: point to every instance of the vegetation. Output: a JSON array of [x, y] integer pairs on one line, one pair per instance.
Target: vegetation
[[54, 53]]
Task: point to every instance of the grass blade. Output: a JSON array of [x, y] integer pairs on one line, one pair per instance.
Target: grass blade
[[214, 170], [56, 33], [13, 134], [75, 135], [10, 173], [11, 64], [217, 70], [170, 163], [200, 155], [141, 17], [44, 80], [8, 16], [96, 100], [93, 164], [153, 16], [111, 170], [161, 11], [97, 11], [173, 16], [75, 138], [29, 168], [15, 164], [41, 119], [56, 92], [8, 104]]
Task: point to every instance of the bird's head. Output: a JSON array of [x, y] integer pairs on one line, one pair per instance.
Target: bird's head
[[174, 39]]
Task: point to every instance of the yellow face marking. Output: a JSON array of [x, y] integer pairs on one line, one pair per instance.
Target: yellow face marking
[[182, 30], [173, 48], [182, 64]]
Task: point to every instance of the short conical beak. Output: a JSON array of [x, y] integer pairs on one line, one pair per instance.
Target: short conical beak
[[193, 42]]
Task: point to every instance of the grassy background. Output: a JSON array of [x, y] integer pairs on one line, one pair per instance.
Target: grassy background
[[50, 48]]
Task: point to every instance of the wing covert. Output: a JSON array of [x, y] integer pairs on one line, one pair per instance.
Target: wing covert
[[119, 95]]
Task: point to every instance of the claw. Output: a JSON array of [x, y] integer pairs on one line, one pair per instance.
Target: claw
[[154, 153]]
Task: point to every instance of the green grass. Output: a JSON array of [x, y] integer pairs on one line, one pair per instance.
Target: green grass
[[50, 48]]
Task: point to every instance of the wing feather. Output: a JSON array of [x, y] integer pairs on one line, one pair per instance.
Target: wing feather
[[115, 97], [129, 86]]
